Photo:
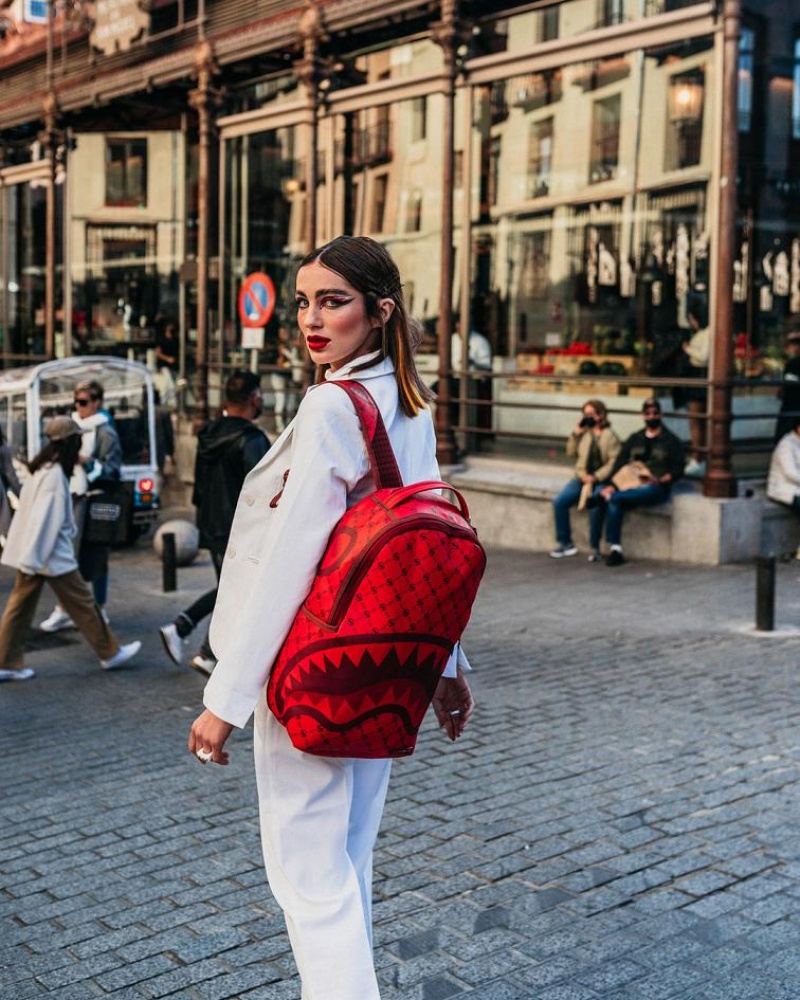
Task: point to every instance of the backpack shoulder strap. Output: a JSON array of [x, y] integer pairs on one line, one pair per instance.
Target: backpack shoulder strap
[[379, 447]]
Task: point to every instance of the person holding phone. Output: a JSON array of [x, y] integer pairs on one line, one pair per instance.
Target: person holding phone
[[595, 447]]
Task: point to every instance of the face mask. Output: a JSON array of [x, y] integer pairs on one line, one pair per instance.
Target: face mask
[[653, 422]]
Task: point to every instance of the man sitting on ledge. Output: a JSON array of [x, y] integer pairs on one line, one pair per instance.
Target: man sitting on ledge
[[651, 460]]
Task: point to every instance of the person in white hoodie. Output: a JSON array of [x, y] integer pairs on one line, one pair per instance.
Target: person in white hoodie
[[99, 461], [40, 546]]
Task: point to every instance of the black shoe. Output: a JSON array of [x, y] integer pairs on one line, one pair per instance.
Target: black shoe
[[615, 558]]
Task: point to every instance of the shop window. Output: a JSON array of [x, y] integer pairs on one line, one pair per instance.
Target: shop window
[[747, 59], [540, 158], [126, 172], [414, 212], [419, 119], [685, 98], [380, 190], [535, 264], [604, 157]]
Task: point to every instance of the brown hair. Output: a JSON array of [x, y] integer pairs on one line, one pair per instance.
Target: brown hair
[[599, 408], [367, 266]]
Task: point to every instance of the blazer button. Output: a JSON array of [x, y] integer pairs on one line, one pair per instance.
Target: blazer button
[[249, 499], [231, 552]]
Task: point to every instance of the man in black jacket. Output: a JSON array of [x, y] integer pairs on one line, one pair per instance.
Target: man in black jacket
[[662, 453], [227, 449]]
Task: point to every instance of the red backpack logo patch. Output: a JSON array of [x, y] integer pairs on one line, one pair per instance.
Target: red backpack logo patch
[[392, 596]]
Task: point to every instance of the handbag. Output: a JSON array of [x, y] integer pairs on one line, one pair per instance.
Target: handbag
[[391, 597], [103, 520], [631, 475]]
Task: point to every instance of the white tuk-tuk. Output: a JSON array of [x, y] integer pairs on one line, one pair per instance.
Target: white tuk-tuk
[[30, 396]]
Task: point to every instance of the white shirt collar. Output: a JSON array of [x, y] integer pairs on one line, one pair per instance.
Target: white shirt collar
[[384, 367]]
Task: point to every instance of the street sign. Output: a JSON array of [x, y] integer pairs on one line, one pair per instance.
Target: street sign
[[256, 300]]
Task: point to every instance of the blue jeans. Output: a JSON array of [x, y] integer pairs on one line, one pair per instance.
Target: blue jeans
[[641, 496], [562, 504]]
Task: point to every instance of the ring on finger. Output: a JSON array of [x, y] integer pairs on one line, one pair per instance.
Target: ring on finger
[[204, 756]]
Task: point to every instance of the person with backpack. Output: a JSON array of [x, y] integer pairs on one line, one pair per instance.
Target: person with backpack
[[227, 449], [320, 816]]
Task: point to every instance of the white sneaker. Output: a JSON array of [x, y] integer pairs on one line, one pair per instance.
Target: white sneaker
[[203, 664], [24, 674], [172, 642], [564, 551], [694, 468], [58, 621], [125, 653]]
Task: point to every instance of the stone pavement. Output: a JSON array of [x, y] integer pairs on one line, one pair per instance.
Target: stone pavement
[[619, 823]]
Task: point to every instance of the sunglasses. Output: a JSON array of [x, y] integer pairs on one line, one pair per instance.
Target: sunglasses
[[82, 402]]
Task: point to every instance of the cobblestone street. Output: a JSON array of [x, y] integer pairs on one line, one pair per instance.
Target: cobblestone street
[[620, 822]]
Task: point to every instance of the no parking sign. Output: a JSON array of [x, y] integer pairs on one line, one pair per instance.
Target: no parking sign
[[256, 306]]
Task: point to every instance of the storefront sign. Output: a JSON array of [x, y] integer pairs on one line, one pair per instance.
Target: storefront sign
[[117, 24]]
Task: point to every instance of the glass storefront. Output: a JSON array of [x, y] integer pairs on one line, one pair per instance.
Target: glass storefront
[[23, 266]]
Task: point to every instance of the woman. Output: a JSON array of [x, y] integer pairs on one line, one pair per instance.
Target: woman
[[99, 461], [41, 548], [320, 817], [596, 447], [9, 487]]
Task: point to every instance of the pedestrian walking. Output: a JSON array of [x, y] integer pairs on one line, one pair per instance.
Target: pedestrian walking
[[99, 464], [320, 816], [227, 449], [40, 546], [9, 489]]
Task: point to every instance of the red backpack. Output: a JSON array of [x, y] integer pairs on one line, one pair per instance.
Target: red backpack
[[392, 596]]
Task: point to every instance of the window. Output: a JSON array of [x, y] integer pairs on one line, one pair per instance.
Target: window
[[540, 158], [548, 23], [126, 172], [611, 12], [796, 91], [419, 118], [379, 203], [604, 158], [414, 212], [747, 59], [684, 120], [494, 169]]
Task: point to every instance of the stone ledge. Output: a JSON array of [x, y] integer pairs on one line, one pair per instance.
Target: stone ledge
[[510, 504]]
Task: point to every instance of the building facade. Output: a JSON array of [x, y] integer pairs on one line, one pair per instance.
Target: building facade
[[567, 178]]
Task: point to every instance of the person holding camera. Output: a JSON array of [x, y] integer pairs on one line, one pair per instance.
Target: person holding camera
[[596, 447]]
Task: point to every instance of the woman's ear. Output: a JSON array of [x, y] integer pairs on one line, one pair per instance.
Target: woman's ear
[[385, 308]]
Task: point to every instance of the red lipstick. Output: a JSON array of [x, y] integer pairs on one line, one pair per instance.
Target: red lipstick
[[317, 343]]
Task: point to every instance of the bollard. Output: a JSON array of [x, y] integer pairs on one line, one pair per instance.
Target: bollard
[[169, 561], [765, 593]]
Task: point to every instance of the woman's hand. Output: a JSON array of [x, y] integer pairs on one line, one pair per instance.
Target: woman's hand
[[209, 733], [453, 704]]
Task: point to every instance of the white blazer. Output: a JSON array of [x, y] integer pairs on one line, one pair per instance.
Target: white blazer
[[275, 548]]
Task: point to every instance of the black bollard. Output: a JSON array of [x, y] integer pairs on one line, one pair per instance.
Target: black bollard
[[169, 559], [765, 593]]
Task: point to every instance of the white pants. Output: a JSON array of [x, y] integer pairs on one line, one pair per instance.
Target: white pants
[[319, 822]]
